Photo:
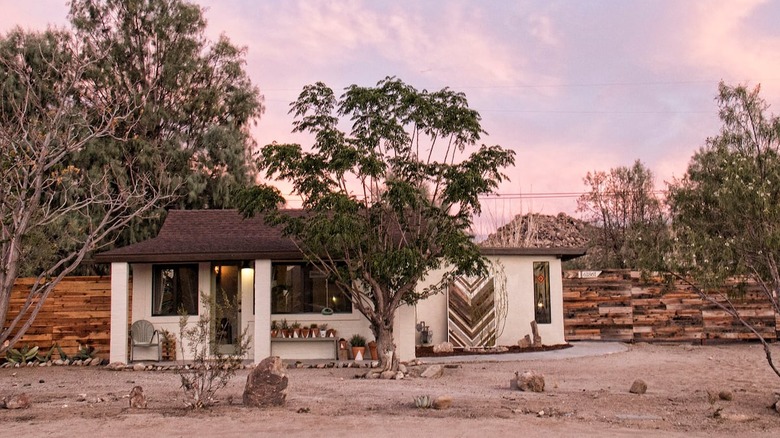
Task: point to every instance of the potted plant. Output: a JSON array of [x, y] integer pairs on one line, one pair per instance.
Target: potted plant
[[285, 329], [274, 329], [296, 329], [305, 330], [323, 330], [168, 345], [315, 330], [372, 350], [358, 344], [331, 333]]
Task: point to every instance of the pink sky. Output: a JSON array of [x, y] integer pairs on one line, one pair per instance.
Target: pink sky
[[571, 86]]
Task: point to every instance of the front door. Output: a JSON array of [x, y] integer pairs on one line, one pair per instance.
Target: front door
[[227, 307]]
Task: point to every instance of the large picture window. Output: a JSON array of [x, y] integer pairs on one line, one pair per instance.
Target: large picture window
[[542, 309], [174, 287], [300, 288]]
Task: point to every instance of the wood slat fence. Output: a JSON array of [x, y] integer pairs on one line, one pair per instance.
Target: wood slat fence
[[78, 311], [613, 306], [623, 306]]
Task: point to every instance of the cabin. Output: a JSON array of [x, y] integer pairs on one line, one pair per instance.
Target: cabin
[[219, 255]]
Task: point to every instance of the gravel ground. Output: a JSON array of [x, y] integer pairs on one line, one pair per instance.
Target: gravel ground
[[584, 396]]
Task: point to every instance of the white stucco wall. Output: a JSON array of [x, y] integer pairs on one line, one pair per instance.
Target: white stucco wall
[[519, 274], [256, 316]]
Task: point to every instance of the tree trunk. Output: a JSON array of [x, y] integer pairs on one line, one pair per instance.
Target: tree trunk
[[385, 347]]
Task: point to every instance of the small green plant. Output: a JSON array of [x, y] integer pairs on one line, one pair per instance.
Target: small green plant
[[213, 365], [423, 401], [274, 325], [84, 352], [22, 355], [357, 340], [313, 325], [285, 326], [296, 325]]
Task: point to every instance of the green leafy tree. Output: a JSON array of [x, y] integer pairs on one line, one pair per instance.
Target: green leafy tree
[[194, 99], [49, 112], [726, 209], [630, 230], [387, 201]]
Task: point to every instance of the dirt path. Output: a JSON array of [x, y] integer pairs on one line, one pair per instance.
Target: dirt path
[[583, 396]]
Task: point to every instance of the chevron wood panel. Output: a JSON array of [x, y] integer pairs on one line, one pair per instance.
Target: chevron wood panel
[[471, 313]]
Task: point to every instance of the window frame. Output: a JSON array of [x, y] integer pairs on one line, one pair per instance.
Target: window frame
[[178, 298], [542, 295], [307, 294]]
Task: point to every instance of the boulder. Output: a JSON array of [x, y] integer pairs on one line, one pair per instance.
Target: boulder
[[528, 381], [18, 401], [433, 372], [638, 387], [266, 385], [525, 342], [444, 347], [726, 395], [442, 402], [137, 398]]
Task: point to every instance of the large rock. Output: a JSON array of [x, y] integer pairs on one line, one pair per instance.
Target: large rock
[[444, 347], [266, 385], [137, 398], [638, 387], [18, 401], [433, 372], [528, 381]]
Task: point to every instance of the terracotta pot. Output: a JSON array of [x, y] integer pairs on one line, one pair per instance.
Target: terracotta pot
[[285, 333], [331, 333], [274, 333], [296, 333], [372, 350], [315, 332], [356, 350], [305, 332]]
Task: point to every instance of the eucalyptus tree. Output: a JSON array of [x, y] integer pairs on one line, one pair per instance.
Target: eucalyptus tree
[[387, 201], [726, 209], [195, 101], [53, 213]]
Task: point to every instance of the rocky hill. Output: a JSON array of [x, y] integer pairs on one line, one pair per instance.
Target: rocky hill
[[540, 231]]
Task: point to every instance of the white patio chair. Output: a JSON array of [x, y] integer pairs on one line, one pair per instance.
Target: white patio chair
[[143, 334]]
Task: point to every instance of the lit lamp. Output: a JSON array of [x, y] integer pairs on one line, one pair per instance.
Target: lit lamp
[[247, 269]]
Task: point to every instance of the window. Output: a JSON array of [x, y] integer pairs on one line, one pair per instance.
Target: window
[[300, 288], [174, 287], [543, 314]]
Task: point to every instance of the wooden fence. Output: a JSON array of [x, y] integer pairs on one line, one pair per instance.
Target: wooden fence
[[623, 306], [613, 306], [78, 311]]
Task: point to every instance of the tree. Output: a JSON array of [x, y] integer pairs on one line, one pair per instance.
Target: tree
[[726, 208], [628, 217], [195, 102], [388, 201], [46, 117]]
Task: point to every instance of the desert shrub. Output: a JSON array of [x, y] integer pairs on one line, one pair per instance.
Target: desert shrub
[[213, 364]]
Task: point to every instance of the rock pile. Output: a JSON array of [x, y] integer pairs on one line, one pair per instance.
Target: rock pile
[[540, 231]]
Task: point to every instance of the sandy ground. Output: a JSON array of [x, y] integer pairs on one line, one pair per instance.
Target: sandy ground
[[584, 397]]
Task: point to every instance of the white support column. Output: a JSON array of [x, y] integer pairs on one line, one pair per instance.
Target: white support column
[[120, 292], [403, 332], [262, 335]]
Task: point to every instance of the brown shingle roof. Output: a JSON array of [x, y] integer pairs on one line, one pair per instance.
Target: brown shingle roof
[[204, 235], [211, 235]]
